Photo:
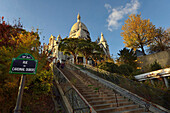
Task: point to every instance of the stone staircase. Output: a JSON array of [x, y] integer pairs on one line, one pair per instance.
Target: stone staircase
[[101, 98]]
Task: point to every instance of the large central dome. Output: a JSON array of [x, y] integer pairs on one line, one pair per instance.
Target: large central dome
[[79, 30]]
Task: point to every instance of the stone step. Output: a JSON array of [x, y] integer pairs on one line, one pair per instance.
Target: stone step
[[103, 98], [102, 106], [100, 95], [92, 93], [114, 109], [137, 110], [90, 96], [96, 92], [93, 87], [80, 85], [89, 85], [107, 101]]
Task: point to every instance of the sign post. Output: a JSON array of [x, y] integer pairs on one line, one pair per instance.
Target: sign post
[[23, 64], [20, 94]]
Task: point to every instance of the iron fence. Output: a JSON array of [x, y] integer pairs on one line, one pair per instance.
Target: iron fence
[[75, 99], [151, 94], [95, 86]]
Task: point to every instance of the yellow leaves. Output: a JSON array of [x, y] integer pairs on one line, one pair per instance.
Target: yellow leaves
[[137, 31], [26, 88], [9, 85], [138, 68]]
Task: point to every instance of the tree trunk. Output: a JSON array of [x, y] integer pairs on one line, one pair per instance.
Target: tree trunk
[[86, 59], [162, 46], [75, 59], [143, 51]]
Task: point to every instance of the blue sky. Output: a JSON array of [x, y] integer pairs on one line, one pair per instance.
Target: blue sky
[[57, 16]]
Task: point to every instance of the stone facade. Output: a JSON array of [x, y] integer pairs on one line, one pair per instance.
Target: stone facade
[[78, 30], [52, 48]]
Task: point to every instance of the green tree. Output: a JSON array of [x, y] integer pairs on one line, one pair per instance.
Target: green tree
[[98, 53], [109, 66], [125, 69], [155, 66], [137, 32], [127, 56], [159, 43], [69, 46], [86, 48], [13, 42]]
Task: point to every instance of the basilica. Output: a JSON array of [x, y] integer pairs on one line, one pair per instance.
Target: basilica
[[78, 30]]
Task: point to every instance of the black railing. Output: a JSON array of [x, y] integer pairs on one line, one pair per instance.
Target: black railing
[[75, 99], [95, 86], [151, 94]]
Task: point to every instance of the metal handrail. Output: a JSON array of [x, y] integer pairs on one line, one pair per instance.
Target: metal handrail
[[137, 91], [98, 90], [79, 94]]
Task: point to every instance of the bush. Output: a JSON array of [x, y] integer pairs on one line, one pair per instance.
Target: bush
[[155, 66], [42, 82], [137, 72], [108, 66], [125, 69]]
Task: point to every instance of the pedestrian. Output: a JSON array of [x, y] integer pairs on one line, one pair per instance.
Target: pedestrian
[[58, 63], [62, 65]]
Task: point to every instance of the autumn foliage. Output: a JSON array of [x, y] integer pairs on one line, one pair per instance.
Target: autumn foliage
[[14, 40], [137, 32]]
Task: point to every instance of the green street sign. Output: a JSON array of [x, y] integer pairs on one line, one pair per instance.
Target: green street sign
[[24, 64]]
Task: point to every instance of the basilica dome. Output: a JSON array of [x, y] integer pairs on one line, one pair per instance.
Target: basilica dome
[[79, 30]]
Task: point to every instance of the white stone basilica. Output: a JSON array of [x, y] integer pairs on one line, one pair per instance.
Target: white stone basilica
[[78, 30]]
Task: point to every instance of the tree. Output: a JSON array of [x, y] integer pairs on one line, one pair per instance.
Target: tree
[[69, 45], [125, 69], [98, 53], [14, 41], [137, 32], [159, 43], [8, 31], [155, 66], [127, 56], [86, 48], [109, 66]]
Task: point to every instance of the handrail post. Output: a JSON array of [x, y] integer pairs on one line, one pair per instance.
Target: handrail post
[[116, 99], [72, 99]]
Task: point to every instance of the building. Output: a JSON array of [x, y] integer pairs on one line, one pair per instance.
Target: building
[[103, 44], [78, 30]]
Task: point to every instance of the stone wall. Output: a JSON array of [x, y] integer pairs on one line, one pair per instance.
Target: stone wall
[[163, 58]]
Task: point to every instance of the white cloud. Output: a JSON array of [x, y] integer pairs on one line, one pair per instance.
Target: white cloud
[[117, 14], [108, 7]]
